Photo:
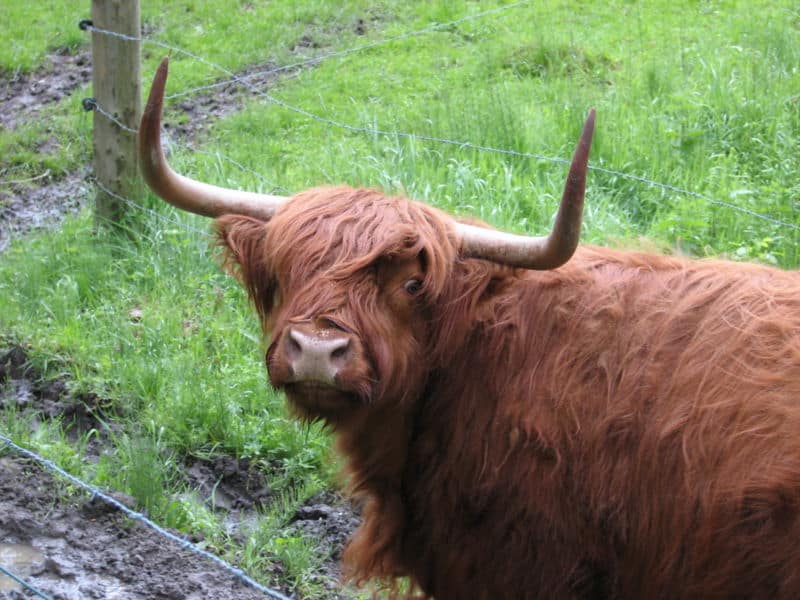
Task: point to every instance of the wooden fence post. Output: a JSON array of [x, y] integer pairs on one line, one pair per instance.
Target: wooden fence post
[[117, 90]]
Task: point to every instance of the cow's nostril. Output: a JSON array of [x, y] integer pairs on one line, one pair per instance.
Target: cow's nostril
[[341, 352], [293, 347]]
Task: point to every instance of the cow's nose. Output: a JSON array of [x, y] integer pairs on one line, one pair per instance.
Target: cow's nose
[[317, 355]]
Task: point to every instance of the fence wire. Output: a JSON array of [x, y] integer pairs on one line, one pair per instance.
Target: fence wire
[[92, 104], [158, 215], [243, 80], [353, 50], [468, 145], [24, 583], [88, 26]]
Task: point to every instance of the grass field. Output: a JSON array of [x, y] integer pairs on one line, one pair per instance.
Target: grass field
[[701, 96]]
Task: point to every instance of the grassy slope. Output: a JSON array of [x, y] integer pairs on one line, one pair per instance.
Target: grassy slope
[[701, 96]]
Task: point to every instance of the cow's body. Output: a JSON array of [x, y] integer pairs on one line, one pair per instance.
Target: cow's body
[[626, 426]]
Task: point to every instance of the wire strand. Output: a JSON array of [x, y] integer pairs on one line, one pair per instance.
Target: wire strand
[[491, 149], [154, 213], [97, 107], [112, 118], [273, 185], [462, 144]]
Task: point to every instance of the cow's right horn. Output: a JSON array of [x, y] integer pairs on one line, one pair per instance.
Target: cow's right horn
[[188, 194], [546, 252]]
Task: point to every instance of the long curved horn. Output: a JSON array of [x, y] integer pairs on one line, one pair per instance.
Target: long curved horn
[[188, 194], [546, 252]]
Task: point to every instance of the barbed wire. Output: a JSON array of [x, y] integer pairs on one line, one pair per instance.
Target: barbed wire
[[246, 169], [243, 80], [24, 583], [154, 213], [183, 543], [87, 25], [92, 104]]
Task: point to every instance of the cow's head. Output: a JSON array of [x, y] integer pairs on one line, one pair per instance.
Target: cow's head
[[346, 281]]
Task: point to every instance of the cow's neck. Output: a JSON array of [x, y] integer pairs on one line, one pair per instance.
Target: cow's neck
[[376, 449], [376, 446]]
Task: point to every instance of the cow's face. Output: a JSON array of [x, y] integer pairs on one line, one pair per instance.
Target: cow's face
[[344, 282]]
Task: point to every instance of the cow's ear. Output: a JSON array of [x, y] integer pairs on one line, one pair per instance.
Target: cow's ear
[[245, 256], [242, 241]]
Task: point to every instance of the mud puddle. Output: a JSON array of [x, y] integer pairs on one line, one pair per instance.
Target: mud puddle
[[63, 546], [19, 559], [25, 208]]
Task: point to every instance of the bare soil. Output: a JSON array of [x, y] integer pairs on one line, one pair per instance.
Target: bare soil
[[63, 543], [30, 204], [71, 547], [25, 207]]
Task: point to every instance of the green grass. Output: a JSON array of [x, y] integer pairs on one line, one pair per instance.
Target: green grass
[[700, 96]]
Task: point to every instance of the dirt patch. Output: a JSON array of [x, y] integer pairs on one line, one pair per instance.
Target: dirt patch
[[235, 489], [330, 519], [31, 204], [37, 400], [227, 483], [66, 545], [71, 548], [23, 95]]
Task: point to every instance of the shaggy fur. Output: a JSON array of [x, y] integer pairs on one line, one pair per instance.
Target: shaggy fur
[[626, 426]]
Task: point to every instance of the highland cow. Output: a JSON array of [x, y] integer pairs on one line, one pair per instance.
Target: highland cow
[[519, 421]]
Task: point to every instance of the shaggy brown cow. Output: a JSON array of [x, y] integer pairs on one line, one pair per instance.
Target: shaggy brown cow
[[624, 426]]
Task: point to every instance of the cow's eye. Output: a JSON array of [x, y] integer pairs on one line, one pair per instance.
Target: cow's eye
[[413, 286]]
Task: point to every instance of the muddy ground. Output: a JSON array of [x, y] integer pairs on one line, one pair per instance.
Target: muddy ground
[[71, 546], [31, 203], [65, 543]]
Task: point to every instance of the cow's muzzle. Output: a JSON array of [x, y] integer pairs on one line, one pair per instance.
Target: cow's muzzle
[[316, 355]]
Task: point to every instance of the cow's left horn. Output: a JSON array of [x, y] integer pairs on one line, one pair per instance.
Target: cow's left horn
[[188, 194], [546, 252]]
